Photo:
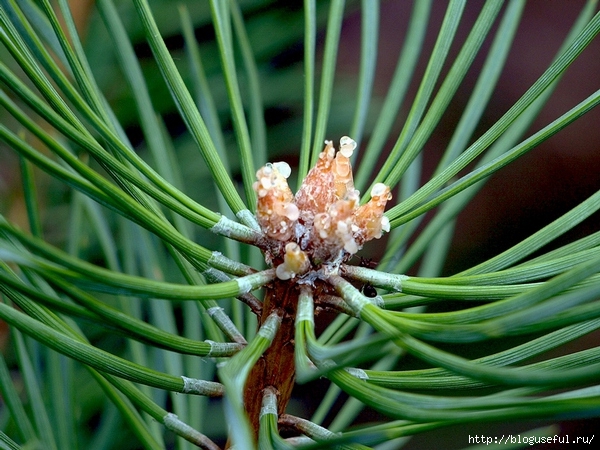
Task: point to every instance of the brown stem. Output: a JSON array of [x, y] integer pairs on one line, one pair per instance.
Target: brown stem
[[276, 366]]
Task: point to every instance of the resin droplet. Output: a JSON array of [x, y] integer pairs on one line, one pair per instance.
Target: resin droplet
[[347, 146], [295, 262], [283, 168]]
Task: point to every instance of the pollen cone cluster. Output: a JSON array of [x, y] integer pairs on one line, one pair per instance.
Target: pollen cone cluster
[[323, 223]]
